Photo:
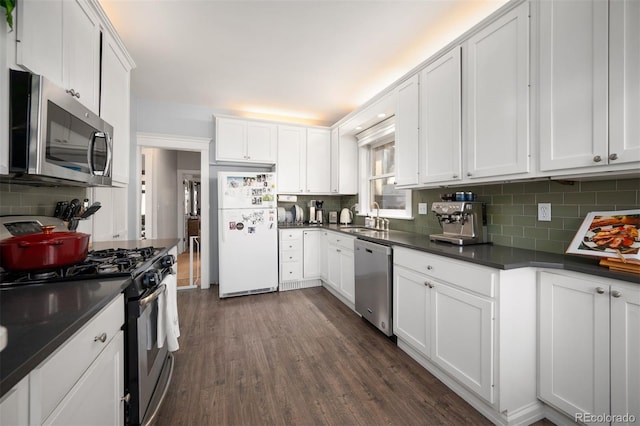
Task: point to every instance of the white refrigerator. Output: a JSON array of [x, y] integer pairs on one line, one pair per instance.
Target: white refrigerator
[[247, 233]]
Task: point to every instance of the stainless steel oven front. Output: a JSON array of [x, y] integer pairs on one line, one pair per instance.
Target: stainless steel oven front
[[149, 364]]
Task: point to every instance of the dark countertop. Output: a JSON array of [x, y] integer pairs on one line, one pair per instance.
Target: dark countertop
[[41, 317], [494, 256]]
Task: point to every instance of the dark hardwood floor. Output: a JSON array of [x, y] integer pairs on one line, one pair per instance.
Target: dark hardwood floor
[[297, 358]]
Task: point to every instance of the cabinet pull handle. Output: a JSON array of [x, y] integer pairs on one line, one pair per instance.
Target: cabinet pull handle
[[71, 92], [429, 267], [78, 95], [613, 156], [338, 251], [599, 290], [102, 338], [126, 398], [616, 293], [597, 159], [455, 176]]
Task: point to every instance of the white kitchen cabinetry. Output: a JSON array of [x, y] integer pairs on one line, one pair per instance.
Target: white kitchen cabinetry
[[318, 161], [589, 344], [115, 104], [344, 163], [61, 41], [243, 141], [83, 381], [300, 258], [110, 222], [340, 265], [96, 398], [292, 154], [624, 90], [304, 160], [14, 405], [496, 97], [311, 254], [441, 120], [407, 132], [473, 327], [589, 97], [324, 250], [291, 255]]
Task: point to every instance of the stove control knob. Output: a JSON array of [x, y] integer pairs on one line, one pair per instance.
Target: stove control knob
[[167, 261], [150, 279]]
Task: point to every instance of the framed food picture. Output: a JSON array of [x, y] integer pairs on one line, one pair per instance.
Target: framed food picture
[[609, 234]]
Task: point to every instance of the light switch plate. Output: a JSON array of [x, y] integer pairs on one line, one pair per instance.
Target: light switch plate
[[422, 208], [544, 212]]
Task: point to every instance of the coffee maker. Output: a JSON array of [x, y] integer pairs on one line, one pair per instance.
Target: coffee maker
[[463, 222], [319, 212]]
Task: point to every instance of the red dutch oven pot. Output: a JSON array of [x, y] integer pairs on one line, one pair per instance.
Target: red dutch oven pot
[[48, 250]]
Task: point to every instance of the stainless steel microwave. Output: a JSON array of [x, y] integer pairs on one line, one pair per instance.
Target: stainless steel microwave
[[53, 137]]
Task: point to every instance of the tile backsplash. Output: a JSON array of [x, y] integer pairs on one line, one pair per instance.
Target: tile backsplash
[[512, 209], [18, 199]]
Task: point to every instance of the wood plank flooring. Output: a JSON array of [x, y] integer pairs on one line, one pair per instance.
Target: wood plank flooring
[[297, 358]]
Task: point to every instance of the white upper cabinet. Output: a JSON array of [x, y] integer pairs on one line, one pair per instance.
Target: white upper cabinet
[[61, 41], [318, 161], [39, 38], [115, 105], [304, 160], [245, 141], [407, 131], [292, 149], [573, 83], [624, 81], [441, 120], [496, 97], [344, 163]]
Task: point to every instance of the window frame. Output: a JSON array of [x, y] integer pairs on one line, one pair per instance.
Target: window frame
[[365, 149]]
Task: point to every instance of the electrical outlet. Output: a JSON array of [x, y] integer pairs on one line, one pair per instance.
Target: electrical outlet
[[422, 208], [544, 212]]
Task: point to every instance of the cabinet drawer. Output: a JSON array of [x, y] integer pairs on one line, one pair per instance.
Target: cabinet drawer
[[52, 380], [479, 279], [290, 271], [290, 256], [341, 240], [291, 245], [290, 234]]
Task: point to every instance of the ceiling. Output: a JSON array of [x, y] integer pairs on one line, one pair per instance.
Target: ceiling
[[310, 61]]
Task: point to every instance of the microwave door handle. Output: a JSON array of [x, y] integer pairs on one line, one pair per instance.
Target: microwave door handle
[[107, 167], [92, 147]]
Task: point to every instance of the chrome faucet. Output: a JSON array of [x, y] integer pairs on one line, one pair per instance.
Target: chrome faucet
[[377, 220]]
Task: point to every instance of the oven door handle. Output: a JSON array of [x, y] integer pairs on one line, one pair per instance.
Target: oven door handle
[[153, 296]]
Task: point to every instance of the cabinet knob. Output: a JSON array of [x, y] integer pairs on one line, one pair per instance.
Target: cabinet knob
[[429, 267], [455, 176], [613, 156], [616, 293], [599, 290], [102, 338], [338, 251], [468, 173], [597, 159], [428, 284]]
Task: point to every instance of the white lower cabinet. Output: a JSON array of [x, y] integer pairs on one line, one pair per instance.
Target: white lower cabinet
[[290, 255], [81, 383], [96, 397], [14, 405], [311, 253], [340, 265], [300, 260], [473, 327], [589, 346]]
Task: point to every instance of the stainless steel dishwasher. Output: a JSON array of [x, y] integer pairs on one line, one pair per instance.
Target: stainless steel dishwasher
[[374, 291]]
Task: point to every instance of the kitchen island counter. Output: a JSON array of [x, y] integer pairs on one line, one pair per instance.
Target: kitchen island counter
[[494, 256], [41, 317]]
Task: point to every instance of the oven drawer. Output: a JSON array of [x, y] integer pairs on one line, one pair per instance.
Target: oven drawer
[[52, 380]]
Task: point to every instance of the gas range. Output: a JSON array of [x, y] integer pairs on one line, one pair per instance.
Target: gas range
[[98, 264]]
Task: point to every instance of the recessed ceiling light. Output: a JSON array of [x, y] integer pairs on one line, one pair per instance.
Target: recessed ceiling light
[[359, 128], [382, 115]]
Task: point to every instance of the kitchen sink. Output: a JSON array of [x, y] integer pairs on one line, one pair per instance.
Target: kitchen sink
[[364, 231]]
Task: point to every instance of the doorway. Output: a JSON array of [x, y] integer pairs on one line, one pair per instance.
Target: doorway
[[189, 220], [168, 206]]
